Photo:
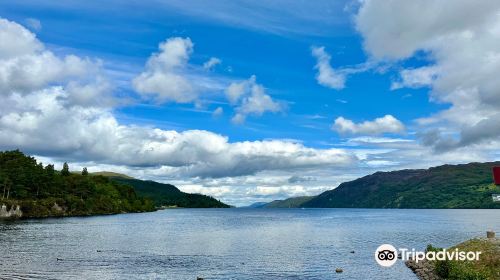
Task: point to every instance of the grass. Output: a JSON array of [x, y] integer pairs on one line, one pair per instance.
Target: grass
[[486, 268]]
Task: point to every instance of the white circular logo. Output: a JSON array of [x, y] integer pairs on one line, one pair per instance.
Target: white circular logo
[[386, 255]]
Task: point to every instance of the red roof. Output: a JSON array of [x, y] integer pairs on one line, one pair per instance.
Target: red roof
[[496, 175]]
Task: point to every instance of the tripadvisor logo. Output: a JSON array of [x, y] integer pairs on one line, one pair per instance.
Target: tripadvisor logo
[[386, 255]]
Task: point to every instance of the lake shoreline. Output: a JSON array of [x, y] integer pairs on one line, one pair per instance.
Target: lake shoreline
[[59, 215], [20, 215]]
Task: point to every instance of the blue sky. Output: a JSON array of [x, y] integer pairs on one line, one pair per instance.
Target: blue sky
[[397, 99]]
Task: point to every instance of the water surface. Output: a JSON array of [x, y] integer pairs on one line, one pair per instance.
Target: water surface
[[230, 243]]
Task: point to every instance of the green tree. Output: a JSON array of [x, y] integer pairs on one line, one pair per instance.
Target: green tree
[[65, 169], [49, 170], [85, 172]]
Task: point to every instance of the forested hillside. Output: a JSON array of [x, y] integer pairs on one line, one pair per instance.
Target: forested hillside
[[42, 191], [447, 186]]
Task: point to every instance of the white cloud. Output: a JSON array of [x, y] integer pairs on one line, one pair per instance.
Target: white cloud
[[460, 43], [215, 191], [27, 66], [419, 25], [385, 124], [416, 78], [211, 63], [251, 99], [163, 78], [16, 40], [236, 90], [327, 76]]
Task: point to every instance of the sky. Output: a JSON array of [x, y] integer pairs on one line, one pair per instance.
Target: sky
[[250, 100]]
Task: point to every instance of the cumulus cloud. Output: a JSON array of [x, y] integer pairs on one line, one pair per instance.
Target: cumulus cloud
[[211, 63], [27, 66], [16, 40], [236, 90], [459, 42], [250, 98], [419, 25], [327, 76], [163, 78], [385, 124]]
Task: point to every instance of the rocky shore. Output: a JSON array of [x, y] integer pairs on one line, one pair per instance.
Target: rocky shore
[[424, 270]]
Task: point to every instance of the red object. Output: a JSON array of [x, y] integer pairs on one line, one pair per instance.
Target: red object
[[496, 175]]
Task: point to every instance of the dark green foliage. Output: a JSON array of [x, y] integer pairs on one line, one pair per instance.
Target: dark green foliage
[[65, 170], [169, 195], [85, 172], [447, 186], [454, 270], [42, 192]]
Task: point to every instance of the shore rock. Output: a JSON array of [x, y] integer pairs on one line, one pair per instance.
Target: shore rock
[[424, 270], [14, 212]]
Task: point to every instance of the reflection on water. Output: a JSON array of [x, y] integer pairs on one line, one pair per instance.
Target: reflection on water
[[230, 243]]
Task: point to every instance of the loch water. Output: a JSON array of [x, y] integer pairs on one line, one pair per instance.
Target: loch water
[[232, 243]]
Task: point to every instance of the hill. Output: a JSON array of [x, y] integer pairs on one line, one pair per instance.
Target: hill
[[259, 204], [110, 174], [41, 191], [292, 202], [447, 186], [169, 195]]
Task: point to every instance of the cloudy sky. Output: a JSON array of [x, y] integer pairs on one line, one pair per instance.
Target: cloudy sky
[[251, 100]]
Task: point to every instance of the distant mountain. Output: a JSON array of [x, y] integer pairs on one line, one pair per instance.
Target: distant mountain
[[256, 205], [447, 186], [292, 202], [169, 195]]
